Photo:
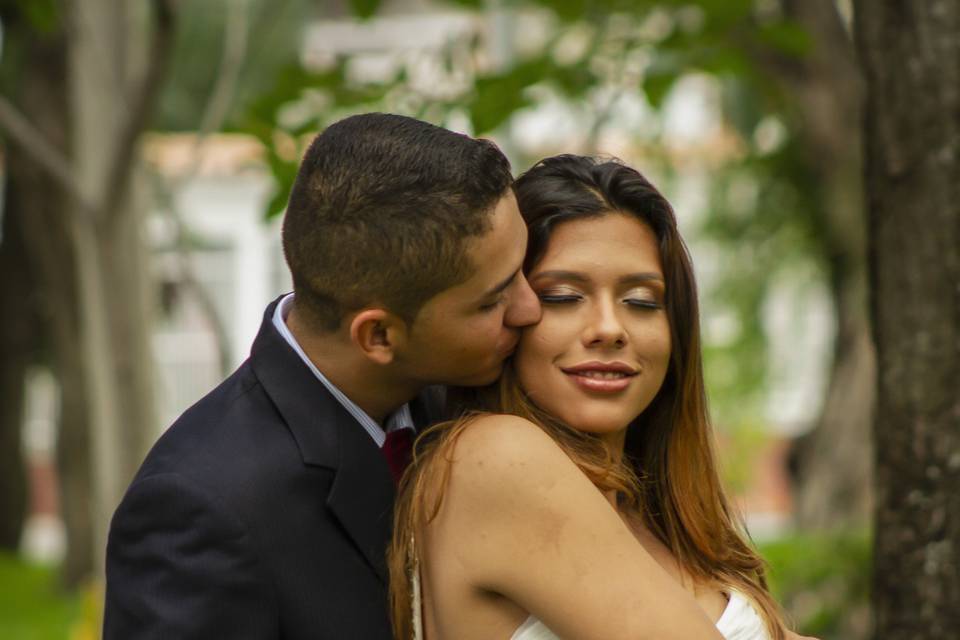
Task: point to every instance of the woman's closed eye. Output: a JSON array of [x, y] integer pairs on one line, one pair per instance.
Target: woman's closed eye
[[643, 303], [570, 297], [643, 298], [559, 296]]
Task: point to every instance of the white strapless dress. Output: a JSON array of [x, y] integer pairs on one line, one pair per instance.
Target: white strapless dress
[[739, 621]]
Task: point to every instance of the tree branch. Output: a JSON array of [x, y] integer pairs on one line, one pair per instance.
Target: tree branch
[[214, 113], [142, 104], [234, 53], [51, 159]]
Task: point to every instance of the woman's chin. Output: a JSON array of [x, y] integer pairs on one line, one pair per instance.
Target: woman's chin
[[599, 423]]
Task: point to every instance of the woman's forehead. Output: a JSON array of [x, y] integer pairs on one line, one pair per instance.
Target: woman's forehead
[[611, 242]]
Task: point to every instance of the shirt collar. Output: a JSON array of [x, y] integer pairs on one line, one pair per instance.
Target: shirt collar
[[399, 419]]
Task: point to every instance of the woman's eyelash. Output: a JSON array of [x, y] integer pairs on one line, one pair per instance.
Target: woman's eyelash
[[555, 298], [643, 304]]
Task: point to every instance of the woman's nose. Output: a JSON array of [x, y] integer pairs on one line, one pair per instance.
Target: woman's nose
[[603, 328]]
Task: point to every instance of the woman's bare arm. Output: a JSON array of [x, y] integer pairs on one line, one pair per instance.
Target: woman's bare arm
[[526, 523]]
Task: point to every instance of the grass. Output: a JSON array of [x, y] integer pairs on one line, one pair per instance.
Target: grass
[[32, 606]]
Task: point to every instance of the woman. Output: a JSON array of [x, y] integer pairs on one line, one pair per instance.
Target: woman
[[582, 499]]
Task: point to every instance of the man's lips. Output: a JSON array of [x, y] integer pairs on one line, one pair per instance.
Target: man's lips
[[603, 377]]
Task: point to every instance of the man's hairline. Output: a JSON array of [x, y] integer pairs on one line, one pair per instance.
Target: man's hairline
[[471, 267], [469, 270]]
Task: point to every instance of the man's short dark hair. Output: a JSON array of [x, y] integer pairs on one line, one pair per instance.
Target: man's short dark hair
[[381, 212]]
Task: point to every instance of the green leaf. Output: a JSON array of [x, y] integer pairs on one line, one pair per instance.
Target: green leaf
[[574, 10], [469, 4], [491, 109], [788, 37], [656, 86], [568, 10], [364, 9], [498, 96], [44, 15], [721, 14], [574, 80], [260, 116], [284, 174]]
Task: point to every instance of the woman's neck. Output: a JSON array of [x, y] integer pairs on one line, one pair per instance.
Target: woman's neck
[[614, 443]]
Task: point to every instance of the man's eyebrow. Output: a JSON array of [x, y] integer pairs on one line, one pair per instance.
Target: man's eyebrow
[[495, 290]]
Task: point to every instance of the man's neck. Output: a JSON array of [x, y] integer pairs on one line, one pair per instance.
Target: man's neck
[[366, 384]]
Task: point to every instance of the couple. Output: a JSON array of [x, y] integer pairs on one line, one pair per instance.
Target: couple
[[265, 511]]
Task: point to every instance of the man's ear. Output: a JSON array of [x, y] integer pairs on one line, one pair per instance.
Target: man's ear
[[378, 333]]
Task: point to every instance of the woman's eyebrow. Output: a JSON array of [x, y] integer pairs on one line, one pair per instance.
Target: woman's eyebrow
[[577, 276], [574, 276], [642, 278]]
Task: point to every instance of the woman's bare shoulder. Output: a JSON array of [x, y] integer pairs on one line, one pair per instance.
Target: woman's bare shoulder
[[520, 519], [497, 449], [501, 432], [502, 470]]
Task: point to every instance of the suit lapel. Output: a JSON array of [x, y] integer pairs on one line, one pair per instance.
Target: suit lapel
[[362, 495], [361, 498]]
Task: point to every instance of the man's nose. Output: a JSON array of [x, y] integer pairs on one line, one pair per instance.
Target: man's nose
[[524, 306]]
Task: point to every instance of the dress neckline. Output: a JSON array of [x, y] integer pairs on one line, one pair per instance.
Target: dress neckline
[[736, 604]]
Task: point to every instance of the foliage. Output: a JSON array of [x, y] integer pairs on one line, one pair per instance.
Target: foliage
[[823, 582], [42, 16], [364, 8], [284, 140], [760, 213], [742, 444], [21, 19], [763, 202], [197, 56]]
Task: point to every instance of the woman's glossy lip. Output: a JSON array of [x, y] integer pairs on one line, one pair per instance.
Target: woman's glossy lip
[[596, 365], [600, 385]]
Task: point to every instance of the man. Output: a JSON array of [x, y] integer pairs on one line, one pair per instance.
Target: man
[[264, 511]]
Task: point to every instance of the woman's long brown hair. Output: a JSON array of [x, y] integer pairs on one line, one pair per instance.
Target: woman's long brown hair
[[668, 476]]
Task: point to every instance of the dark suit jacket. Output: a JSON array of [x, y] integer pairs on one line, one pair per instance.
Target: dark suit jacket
[[263, 512]]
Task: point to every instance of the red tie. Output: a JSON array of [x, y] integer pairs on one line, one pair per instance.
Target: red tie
[[397, 449]]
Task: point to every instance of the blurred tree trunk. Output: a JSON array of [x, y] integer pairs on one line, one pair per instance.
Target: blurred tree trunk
[[88, 95], [833, 460], [18, 338], [51, 254], [111, 89], [38, 203], [911, 59]]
